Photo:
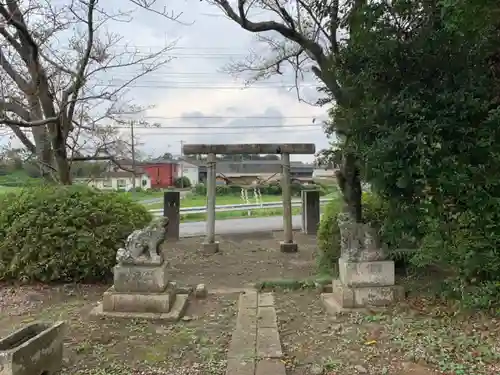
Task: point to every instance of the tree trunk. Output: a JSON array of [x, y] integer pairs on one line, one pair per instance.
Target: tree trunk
[[60, 154], [63, 170], [350, 185], [41, 139]]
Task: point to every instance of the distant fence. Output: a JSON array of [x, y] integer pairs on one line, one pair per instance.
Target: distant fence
[[235, 207]]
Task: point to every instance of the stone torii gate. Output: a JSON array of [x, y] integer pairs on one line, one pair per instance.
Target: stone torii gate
[[287, 245]]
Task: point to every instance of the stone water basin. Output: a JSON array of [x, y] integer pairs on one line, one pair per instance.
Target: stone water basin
[[35, 349]]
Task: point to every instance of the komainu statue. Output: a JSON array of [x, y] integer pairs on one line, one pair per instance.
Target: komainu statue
[[143, 244]]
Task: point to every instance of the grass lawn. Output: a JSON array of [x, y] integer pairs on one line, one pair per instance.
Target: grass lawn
[[200, 200], [6, 189], [239, 214], [143, 195], [195, 201]]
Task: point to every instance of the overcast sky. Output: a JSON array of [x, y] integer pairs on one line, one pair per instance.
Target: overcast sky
[[192, 93]]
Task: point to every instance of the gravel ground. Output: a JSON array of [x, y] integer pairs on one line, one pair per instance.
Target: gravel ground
[[242, 260], [419, 337], [195, 346]]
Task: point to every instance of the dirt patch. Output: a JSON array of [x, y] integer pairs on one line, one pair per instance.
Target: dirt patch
[[242, 260], [416, 338], [194, 346], [16, 300]]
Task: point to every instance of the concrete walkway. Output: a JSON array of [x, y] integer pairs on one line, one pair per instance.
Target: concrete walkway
[[255, 347], [237, 226]]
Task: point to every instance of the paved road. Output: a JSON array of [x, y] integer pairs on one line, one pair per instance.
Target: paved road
[[234, 226], [160, 199]]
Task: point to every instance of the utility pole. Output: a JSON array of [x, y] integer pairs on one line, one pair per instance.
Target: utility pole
[[132, 137]]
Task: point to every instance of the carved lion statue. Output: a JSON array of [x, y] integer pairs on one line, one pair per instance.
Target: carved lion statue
[[144, 243]]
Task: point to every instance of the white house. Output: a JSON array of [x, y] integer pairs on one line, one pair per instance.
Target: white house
[[117, 181], [190, 171]]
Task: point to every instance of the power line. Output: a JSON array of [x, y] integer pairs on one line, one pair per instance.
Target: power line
[[202, 127], [160, 73], [168, 48], [199, 134], [173, 48], [200, 87], [172, 54], [168, 52], [218, 133], [227, 117], [214, 83]]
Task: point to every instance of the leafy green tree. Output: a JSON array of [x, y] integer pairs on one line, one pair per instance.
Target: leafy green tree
[[426, 124]]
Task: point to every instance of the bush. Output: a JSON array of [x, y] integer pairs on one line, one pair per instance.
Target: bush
[[465, 247], [271, 189], [199, 189], [221, 190], [182, 182], [64, 233], [329, 232], [329, 238], [296, 188]]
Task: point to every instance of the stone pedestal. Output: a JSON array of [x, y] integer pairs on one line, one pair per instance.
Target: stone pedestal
[[210, 247], [366, 278], [288, 247], [141, 278], [142, 290]]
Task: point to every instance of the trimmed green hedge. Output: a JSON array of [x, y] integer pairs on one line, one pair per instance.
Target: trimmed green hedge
[[64, 233]]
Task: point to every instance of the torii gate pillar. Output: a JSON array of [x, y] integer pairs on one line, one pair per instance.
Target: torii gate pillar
[[287, 245]]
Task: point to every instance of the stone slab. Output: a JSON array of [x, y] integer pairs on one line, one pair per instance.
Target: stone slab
[[374, 296], [242, 345], [244, 336], [246, 320], [376, 273], [343, 295], [288, 247], [266, 300], [352, 297], [209, 247], [237, 366], [143, 260], [136, 302], [140, 278], [268, 343], [176, 312], [334, 307], [266, 317], [248, 300], [269, 366]]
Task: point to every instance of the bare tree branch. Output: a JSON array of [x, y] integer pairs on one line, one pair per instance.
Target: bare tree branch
[[311, 26], [51, 92]]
